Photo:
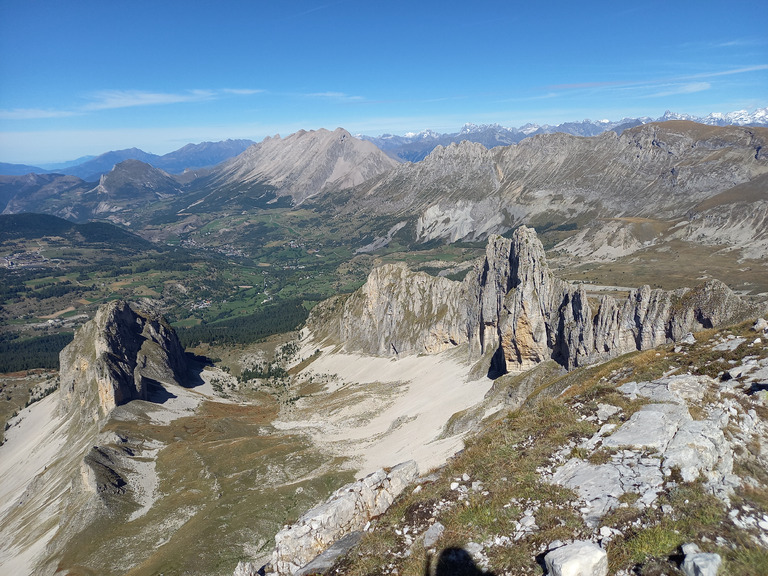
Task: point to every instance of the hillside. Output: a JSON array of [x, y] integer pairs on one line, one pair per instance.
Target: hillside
[[305, 164], [577, 467]]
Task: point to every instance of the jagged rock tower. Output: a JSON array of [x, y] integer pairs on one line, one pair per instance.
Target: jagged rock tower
[[512, 308], [114, 356]]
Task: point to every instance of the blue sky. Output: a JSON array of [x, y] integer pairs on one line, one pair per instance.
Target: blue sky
[[83, 77]]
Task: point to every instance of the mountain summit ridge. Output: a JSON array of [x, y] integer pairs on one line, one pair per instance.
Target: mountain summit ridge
[[514, 313], [414, 146]]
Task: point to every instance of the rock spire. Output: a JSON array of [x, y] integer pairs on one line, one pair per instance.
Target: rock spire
[[114, 357]]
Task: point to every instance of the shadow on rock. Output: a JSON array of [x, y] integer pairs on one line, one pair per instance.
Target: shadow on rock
[[157, 393], [454, 562], [195, 366]]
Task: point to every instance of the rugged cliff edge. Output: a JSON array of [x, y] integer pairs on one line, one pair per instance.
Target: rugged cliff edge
[[511, 310], [115, 357]]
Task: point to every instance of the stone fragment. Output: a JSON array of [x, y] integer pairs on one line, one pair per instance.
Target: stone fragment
[[432, 535], [577, 559], [605, 411], [688, 339], [729, 345], [247, 569]]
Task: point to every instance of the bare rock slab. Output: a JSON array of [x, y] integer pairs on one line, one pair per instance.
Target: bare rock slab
[[653, 426], [325, 561]]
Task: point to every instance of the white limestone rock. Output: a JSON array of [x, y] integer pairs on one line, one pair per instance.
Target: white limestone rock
[[577, 559], [246, 569], [699, 447], [653, 426], [689, 339], [699, 563], [346, 510], [605, 411], [432, 535]]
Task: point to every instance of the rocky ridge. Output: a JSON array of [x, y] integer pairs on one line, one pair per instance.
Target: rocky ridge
[[350, 508], [511, 310], [415, 146], [115, 358], [664, 172]]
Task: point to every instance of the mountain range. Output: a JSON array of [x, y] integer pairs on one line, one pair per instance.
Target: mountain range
[[599, 197], [189, 157], [410, 147], [415, 146]]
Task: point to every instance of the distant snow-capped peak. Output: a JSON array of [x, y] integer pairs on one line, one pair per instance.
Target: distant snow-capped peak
[[423, 135]]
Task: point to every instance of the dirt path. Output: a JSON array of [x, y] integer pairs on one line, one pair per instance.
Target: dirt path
[[59, 313]]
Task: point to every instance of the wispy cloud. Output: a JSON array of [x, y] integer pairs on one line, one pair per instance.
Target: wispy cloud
[[337, 96], [34, 114], [742, 70], [690, 88], [117, 99], [313, 9], [111, 99], [740, 42], [680, 84], [242, 91]]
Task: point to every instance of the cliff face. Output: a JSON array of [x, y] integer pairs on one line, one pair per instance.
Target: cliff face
[[511, 306], [113, 357]]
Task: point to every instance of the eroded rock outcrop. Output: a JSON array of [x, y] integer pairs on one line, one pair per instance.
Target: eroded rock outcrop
[[348, 509], [511, 307], [114, 357]]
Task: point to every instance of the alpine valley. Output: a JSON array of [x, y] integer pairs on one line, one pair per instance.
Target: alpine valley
[[498, 351]]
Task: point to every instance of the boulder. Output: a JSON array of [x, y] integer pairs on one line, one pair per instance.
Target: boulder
[[698, 563], [577, 559]]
